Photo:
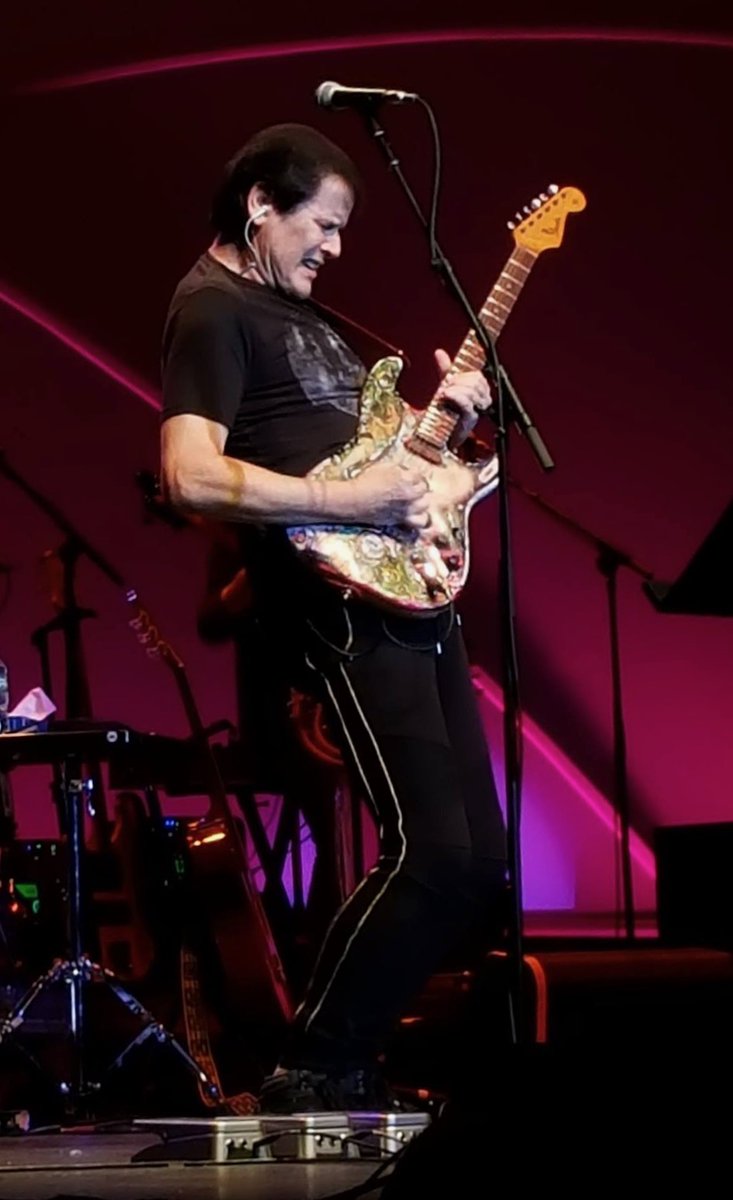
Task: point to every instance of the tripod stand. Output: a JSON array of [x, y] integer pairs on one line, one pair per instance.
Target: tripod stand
[[77, 971], [608, 561]]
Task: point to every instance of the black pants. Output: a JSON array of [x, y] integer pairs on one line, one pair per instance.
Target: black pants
[[402, 702]]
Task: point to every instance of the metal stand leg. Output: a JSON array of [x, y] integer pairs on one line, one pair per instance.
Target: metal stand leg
[[78, 970], [153, 1028]]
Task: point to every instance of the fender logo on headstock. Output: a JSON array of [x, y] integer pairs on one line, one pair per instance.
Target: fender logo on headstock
[[541, 225]]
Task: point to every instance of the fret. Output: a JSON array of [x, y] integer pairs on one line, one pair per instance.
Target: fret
[[467, 362], [437, 424], [506, 307]]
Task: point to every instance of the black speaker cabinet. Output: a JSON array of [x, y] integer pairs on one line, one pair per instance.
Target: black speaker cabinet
[[695, 884]]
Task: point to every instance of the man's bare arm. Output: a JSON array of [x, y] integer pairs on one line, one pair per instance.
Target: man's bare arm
[[197, 476]]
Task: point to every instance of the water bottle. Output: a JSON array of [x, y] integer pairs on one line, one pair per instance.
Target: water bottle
[[4, 694]]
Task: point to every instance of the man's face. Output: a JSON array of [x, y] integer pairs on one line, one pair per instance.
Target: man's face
[[293, 246]]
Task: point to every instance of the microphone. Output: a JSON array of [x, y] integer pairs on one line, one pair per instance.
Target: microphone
[[334, 95]]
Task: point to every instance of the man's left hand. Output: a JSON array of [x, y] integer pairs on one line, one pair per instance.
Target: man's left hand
[[467, 391]]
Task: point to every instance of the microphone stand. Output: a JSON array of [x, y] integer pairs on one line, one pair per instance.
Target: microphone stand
[[78, 704], [506, 408], [62, 522], [609, 559]]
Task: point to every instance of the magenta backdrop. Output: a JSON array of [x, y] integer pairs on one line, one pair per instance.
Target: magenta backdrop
[[619, 345]]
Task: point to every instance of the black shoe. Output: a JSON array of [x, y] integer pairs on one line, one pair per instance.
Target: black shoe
[[303, 1091], [368, 1091], [298, 1091]]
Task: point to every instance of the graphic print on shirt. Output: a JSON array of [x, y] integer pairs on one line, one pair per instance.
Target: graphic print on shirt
[[325, 367]]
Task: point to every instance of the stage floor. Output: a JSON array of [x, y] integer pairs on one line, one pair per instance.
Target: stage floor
[[99, 1165], [633, 1072]]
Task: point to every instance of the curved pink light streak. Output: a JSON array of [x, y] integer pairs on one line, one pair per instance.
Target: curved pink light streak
[[576, 780], [211, 58], [107, 365]]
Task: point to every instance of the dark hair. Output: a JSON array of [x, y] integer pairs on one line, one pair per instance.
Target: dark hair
[[288, 162]]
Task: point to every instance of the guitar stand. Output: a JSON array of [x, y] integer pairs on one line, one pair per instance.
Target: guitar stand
[[77, 971]]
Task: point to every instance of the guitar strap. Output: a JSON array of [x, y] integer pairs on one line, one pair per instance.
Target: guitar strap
[[199, 1042]]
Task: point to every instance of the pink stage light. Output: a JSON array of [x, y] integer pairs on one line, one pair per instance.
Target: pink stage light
[[642, 855], [103, 362], [235, 54]]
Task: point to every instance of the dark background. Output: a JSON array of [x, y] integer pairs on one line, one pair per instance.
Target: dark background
[[619, 345]]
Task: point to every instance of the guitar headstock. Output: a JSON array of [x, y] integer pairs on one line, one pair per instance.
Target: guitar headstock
[[148, 634], [541, 224]]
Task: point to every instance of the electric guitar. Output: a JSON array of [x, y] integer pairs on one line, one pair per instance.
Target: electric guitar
[[421, 571]]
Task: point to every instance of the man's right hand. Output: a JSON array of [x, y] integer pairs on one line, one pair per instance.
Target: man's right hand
[[198, 477], [387, 494]]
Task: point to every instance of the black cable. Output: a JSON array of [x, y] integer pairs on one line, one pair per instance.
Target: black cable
[[432, 220], [373, 1182]]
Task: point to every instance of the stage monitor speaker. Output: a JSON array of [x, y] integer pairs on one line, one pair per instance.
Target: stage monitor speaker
[[695, 884]]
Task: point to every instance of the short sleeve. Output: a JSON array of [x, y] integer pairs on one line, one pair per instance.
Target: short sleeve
[[205, 357]]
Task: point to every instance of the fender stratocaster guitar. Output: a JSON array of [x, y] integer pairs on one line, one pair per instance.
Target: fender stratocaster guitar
[[413, 571]]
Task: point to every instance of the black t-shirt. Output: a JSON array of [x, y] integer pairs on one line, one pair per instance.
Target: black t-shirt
[[270, 368], [286, 386]]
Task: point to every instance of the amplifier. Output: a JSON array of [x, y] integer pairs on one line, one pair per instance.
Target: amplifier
[[695, 884], [32, 903]]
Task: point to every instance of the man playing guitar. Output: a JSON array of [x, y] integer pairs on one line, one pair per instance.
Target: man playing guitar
[[259, 388]]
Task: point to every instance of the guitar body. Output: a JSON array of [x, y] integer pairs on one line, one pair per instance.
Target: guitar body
[[233, 917], [410, 571]]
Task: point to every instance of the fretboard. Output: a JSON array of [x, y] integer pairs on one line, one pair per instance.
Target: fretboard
[[438, 422]]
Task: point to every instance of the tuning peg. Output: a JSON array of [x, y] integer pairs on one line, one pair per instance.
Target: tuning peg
[[553, 188], [527, 210], [518, 216], [536, 203], [510, 225], [544, 197]]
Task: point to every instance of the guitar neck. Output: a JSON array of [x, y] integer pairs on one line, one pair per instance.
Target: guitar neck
[[438, 422], [149, 636], [218, 802]]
